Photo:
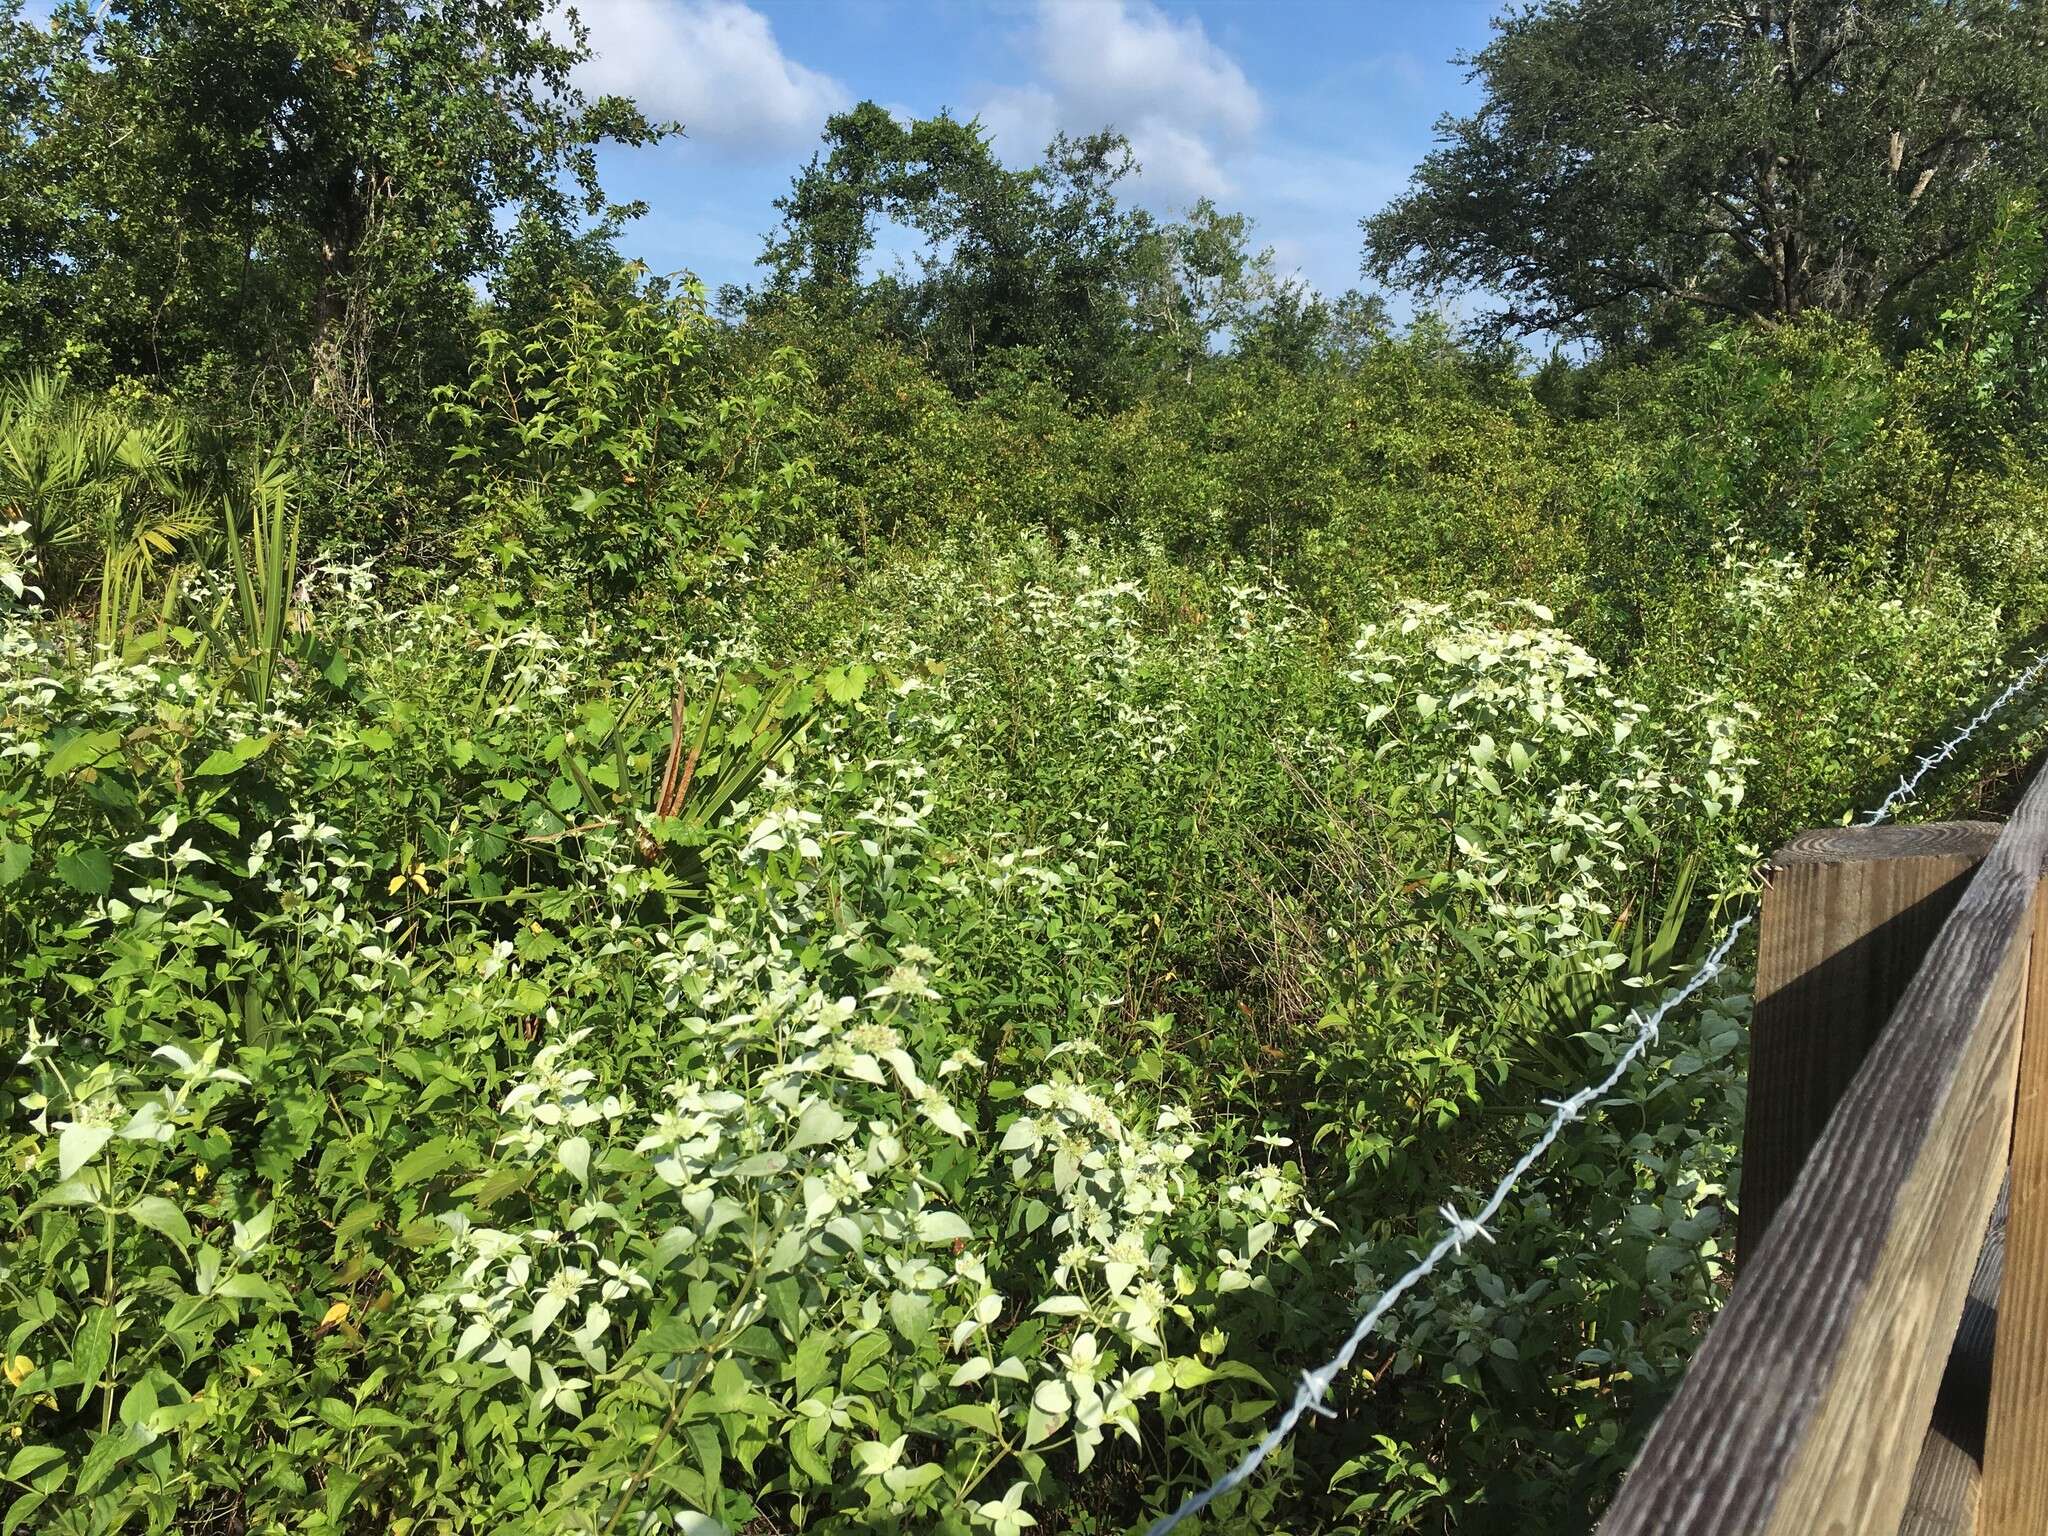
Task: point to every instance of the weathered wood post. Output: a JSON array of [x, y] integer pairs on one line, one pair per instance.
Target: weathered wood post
[[1809, 1400], [1848, 915], [2014, 1500], [1847, 919]]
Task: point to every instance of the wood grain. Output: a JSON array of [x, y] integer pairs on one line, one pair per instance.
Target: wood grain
[[1848, 915], [1948, 1481], [2015, 1496], [1805, 1409]]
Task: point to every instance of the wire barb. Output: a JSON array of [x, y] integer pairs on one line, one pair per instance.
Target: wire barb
[[1315, 1385], [1462, 1230], [1909, 784]]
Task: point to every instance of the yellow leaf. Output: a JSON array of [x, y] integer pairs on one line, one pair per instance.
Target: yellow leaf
[[337, 1313], [18, 1370], [396, 882]]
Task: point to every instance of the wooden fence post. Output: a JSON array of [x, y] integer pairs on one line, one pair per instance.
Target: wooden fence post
[[1848, 914], [2015, 1486], [1810, 1398], [1948, 1479]]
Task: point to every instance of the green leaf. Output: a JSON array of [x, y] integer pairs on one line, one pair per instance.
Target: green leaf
[[905, 1481], [362, 1216], [865, 1349], [977, 1416], [912, 1315], [1063, 1306], [942, 1227], [288, 1132], [108, 1452], [423, 1162], [80, 751], [28, 1459], [813, 1355], [876, 1457], [574, 1156], [1050, 1406], [14, 861], [249, 1288], [78, 1145], [160, 1215], [138, 1403], [819, 1123], [845, 684], [91, 1347], [704, 1440], [70, 1192], [86, 870]]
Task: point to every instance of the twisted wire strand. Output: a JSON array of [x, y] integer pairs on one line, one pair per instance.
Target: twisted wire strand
[[1315, 1384], [1909, 783]]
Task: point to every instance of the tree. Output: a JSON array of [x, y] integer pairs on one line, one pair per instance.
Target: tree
[[1201, 280], [1043, 259], [307, 187], [30, 231], [1636, 161], [1301, 331]]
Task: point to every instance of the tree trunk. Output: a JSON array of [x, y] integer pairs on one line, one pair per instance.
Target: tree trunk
[[339, 384]]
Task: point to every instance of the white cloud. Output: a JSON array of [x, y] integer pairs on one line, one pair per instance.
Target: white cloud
[[714, 65], [1182, 101], [1022, 119], [1129, 57], [1175, 159]]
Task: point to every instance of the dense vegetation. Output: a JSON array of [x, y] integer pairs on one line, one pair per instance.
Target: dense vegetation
[[879, 908]]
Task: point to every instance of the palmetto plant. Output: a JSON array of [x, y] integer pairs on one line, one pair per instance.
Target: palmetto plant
[[705, 768], [46, 461], [138, 533], [88, 475], [712, 751], [1567, 998], [263, 548]]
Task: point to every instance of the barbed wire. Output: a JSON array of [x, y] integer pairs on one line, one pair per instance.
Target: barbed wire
[[1909, 783], [1315, 1384]]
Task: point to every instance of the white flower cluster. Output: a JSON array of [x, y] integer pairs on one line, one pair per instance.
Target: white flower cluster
[[1551, 779], [510, 1290], [550, 1102], [1118, 1187], [18, 563]]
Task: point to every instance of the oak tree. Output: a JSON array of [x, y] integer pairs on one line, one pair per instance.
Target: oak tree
[[1636, 161]]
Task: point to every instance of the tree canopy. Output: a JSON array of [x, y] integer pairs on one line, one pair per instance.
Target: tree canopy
[[1046, 259], [275, 181], [1636, 161]]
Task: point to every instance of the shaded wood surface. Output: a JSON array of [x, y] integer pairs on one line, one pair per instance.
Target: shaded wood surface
[[1848, 915], [2015, 1497], [1807, 1405], [1943, 1500]]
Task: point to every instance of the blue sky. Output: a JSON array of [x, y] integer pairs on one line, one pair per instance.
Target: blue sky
[[1305, 114]]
